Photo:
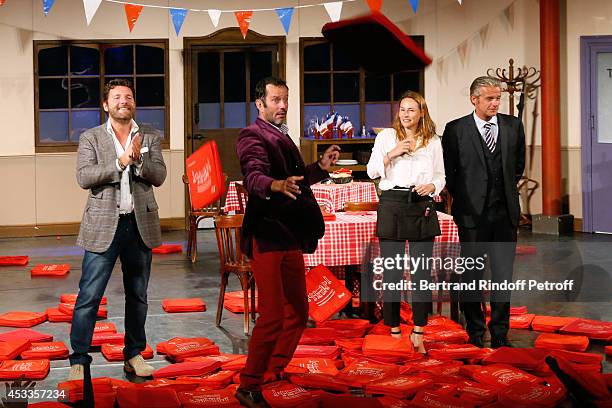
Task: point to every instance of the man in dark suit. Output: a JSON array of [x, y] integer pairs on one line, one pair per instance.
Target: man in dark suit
[[484, 158], [282, 220]]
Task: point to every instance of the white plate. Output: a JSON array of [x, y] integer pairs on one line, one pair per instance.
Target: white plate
[[346, 162]]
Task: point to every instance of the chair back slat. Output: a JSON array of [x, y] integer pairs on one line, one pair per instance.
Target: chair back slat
[[228, 229]]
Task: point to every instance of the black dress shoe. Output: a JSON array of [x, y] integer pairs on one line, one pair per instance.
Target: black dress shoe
[[476, 341], [500, 342], [252, 399]]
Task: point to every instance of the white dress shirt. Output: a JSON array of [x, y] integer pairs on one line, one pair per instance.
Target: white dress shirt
[[126, 204], [423, 166], [480, 124]]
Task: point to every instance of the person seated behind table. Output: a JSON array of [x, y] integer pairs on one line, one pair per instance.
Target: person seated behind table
[[408, 159]]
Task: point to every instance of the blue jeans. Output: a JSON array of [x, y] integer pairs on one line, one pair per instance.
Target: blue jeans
[[97, 268]]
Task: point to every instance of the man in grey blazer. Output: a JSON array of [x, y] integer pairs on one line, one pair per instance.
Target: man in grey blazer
[[119, 164]]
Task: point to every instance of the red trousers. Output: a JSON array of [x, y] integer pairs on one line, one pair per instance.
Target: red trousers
[[283, 312]]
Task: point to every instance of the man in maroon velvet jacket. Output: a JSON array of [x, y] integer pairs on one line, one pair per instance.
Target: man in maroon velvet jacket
[[282, 220]]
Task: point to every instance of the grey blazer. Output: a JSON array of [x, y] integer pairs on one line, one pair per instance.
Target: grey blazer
[[97, 172]]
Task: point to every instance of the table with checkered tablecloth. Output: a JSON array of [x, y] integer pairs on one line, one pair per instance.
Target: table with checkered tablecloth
[[332, 196]]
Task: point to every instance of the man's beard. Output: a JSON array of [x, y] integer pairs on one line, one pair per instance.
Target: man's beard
[[121, 117]]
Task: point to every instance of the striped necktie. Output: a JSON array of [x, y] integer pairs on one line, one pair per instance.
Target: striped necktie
[[488, 136]]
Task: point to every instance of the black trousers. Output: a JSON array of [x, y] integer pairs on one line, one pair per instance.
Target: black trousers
[[494, 239], [421, 299]]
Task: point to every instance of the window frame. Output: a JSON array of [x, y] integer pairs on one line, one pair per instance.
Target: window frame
[[100, 45], [306, 41]]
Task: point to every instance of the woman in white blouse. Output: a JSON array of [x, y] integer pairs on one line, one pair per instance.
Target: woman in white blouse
[[408, 159]]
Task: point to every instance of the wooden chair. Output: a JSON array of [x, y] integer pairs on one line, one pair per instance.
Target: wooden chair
[[363, 206], [195, 216], [243, 197], [228, 229]]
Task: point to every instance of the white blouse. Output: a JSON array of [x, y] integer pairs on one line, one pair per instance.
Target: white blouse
[[424, 166]]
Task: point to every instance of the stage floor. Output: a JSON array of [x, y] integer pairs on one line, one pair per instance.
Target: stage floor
[[174, 276]]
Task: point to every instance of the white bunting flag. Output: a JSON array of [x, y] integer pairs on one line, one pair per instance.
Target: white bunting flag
[[91, 7], [214, 16], [334, 10]]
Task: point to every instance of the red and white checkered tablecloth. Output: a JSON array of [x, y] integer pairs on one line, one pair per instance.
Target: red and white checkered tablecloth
[[346, 239], [333, 196]]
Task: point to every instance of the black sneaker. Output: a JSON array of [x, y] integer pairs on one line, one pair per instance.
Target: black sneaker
[[476, 341], [500, 342], [251, 398]]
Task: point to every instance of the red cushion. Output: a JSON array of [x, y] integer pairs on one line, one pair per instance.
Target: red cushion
[[68, 308], [48, 404], [183, 305], [608, 350], [401, 386], [326, 294], [99, 339], [73, 390], [526, 394], [22, 319], [114, 352], [319, 336], [387, 346], [477, 393], [361, 372], [105, 327], [501, 375], [525, 249], [10, 349], [335, 401], [186, 368], [590, 361], [523, 358], [313, 365], [550, 324], [433, 399], [521, 321], [210, 398], [57, 316], [593, 329], [50, 270], [443, 351], [562, 341], [593, 383], [179, 348], [284, 394], [72, 297], [136, 397], [214, 381], [420, 365], [304, 350], [236, 305], [319, 381], [27, 334], [52, 350], [235, 364], [168, 249], [445, 334], [344, 324], [29, 369], [350, 344], [19, 260]]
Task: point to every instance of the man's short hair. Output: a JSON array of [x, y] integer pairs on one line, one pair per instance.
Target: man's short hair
[[484, 81], [113, 83], [260, 88]]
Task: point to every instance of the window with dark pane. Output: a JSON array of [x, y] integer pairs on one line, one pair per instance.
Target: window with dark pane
[[346, 87], [406, 81], [53, 61], [84, 93], [84, 61], [149, 60], [208, 67], [377, 88], [316, 57], [261, 67], [53, 93], [150, 91], [235, 77], [119, 60], [317, 88], [342, 61]]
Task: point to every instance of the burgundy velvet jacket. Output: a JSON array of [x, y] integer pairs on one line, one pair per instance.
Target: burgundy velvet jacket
[[276, 221]]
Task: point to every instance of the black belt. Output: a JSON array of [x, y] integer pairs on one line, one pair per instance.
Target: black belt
[[406, 194], [126, 215]]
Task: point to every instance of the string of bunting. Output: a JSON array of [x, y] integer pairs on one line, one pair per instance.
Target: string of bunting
[[243, 17]]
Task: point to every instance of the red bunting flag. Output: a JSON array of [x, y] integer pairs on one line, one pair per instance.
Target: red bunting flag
[[375, 5], [1, 2], [244, 21], [132, 13]]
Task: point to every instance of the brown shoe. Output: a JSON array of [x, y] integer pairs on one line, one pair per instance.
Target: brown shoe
[[252, 399], [137, 366]]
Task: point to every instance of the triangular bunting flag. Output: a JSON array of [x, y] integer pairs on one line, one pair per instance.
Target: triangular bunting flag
[[462, 51], [47, 4], [285, 14], [415, 5], [132, 13], [459, 2], [244, 21], [214, 16], [375, 5], [1, 2], [91, 7], [178, 18], [509, 14], [484, 34], [334, 10]]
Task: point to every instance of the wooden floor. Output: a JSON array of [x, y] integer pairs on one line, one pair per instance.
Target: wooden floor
[[175, 276]]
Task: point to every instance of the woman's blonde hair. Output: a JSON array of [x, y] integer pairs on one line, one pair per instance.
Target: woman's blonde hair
[[425, 130]]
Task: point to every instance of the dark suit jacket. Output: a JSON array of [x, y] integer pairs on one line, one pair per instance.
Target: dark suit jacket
[[466, 171], [275, 220]]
